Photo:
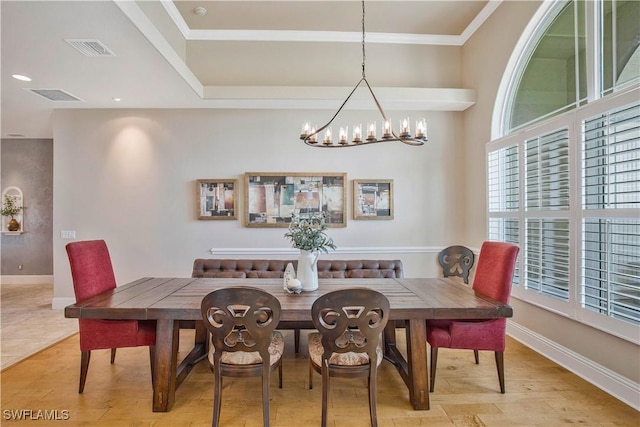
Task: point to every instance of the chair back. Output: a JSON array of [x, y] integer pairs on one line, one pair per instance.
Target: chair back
[[241, 318], [456, 261], [494, 274], [91, 268], [351, 320]]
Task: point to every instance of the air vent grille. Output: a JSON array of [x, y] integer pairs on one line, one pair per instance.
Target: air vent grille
[[55, 94], [90, 47]]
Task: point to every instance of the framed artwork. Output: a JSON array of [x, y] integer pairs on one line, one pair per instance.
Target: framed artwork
[[372, 199], [217, 198], [272, 198]]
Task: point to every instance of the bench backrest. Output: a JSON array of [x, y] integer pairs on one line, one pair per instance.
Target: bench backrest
[[269, 268]]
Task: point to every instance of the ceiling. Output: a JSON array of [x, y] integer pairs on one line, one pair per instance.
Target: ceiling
[[239, 54]]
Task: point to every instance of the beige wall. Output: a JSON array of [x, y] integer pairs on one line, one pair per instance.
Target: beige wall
[[485, 57], [128, 177]]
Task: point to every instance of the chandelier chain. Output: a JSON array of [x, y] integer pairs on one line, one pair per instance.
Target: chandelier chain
[[364, 56]]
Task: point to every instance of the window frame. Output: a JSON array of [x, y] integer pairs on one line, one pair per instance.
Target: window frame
[[572, 121]]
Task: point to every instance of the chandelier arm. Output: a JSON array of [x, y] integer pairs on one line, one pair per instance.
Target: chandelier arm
[[337, 112], [384, 116]]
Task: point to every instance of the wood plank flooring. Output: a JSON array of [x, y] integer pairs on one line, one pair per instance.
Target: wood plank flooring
[[539, 393]]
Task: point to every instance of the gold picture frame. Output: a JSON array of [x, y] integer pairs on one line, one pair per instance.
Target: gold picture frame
[[217, 199], [373, 199], [271, 198]]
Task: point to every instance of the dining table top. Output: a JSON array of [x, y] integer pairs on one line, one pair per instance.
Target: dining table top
[[180, 298]]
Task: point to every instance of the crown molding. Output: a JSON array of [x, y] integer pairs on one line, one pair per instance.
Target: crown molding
[[329, 36]]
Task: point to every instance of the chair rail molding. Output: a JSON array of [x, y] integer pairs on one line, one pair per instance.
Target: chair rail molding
[[338, 251]]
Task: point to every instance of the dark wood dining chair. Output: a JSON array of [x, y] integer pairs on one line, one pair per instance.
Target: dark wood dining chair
[[456, 261], [348, 342], [244, 342], [92, 274], [493, 279]]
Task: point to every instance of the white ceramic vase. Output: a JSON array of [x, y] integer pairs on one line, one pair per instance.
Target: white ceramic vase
[[308, 270]]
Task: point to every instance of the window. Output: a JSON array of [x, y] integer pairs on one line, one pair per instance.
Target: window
[[554, 71], [610, 191], [547, 171], [504, 195], [554, 79], [620, 47], [566, 186]]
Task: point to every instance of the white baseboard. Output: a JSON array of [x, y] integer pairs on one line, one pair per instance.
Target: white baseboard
[[59, 303], [609, 381], [26, 280]]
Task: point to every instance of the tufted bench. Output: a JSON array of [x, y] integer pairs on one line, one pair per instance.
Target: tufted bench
[[269, 268]]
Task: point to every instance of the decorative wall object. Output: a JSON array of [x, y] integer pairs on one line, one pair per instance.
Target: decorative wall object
[[12, 210], [373, 199], [272, 198], [217, 198]]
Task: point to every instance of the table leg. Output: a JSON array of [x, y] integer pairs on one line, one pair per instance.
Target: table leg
[[418, 372], [164, 388]]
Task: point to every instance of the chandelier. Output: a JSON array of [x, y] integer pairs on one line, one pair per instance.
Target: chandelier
[[368, 135]]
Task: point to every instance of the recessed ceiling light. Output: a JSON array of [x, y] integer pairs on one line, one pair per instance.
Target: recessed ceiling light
[[200, 11], [21, 77], [116, 99]]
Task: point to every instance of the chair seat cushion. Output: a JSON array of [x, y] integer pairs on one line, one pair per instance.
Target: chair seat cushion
[[276, 348], [468, 334], [350, 358], [96, 334]]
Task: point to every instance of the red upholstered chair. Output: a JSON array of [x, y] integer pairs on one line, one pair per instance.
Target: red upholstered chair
[[92, 274], [493, 278]]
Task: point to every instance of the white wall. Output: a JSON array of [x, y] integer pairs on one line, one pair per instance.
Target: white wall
[[128, 177]]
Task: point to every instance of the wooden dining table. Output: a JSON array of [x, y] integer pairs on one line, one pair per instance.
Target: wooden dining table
[[172, 302]]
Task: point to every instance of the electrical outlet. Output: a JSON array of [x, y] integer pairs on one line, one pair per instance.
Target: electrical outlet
[[68, 234]]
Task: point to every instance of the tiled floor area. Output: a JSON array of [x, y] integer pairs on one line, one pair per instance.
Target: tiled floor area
[[27, 322]]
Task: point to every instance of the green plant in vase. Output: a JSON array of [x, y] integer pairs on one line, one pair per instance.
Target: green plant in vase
[[309, 235], [10, 208]]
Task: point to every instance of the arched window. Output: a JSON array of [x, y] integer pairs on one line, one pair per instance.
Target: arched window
[[564, 173], [580, 52]]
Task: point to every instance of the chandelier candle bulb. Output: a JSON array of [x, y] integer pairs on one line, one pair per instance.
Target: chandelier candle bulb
[[387, 129], [312, 138], [343, 135], [371, 135], [357, 133], [327, 137], [421, 128], [305, 130], [404, 128]]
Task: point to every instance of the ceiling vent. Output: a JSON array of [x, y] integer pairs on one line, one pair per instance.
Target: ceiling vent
[[55, 94], [90, 47]]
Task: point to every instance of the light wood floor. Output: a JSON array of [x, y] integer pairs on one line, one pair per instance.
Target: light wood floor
[[539, 393]]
